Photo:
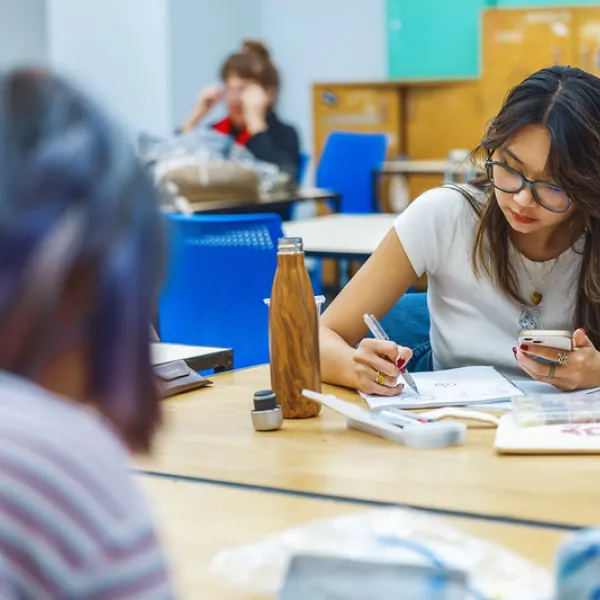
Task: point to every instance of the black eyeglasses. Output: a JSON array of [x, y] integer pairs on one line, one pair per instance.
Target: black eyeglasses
[[509, 180]]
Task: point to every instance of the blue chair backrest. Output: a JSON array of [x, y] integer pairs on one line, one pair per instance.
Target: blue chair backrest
[[303, 166], [346, 166], [221, 267]]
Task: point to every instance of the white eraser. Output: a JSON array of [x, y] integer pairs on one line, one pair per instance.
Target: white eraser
[[435, 435]]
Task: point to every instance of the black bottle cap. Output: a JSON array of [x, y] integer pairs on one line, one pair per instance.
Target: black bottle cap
[[265, 400]]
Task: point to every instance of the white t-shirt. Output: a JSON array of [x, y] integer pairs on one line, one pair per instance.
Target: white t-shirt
[[472, 321]]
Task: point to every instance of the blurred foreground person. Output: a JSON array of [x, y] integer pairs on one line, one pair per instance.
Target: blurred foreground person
[[79, 260]]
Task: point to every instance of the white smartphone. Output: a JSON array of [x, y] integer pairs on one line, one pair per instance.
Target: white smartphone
[[561, 340], [329, 577]]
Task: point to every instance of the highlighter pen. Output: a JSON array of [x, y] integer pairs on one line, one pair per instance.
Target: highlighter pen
[[379, 333]]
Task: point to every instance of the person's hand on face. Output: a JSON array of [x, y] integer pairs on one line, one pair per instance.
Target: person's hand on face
[[255, 102], [207, 98]]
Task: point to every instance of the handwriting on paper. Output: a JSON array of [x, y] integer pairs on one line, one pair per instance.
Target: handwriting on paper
[[582, 430]]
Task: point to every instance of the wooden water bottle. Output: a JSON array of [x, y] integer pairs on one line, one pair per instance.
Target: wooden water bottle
[[294, 331]]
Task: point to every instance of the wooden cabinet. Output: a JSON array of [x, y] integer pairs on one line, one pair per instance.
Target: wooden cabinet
[[518, 42], [357, 107], [424, 119], [440, 118], [586, 38]]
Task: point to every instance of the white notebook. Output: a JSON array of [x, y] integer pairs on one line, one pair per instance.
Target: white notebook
[[582, 438], [452, 387]]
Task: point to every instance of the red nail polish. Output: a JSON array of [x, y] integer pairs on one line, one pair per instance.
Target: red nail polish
[[524, 347], [584, 331], [515, 352], [401, 362]]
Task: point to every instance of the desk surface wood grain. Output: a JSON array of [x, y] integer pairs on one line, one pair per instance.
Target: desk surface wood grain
[[196, 521], [208, 434]]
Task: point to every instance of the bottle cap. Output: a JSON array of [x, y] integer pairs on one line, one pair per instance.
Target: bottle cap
[[290, 245], [265, 400]]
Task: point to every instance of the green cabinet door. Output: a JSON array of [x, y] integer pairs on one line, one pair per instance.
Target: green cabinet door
[[429, 39]]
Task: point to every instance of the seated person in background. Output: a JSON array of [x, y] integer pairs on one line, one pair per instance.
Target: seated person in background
[[518, 250], [251, 85], [80, 250]]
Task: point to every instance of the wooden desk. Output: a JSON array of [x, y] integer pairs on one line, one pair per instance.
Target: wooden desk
[[195, 523], [209, 435], [267, 202], [199, 358], [353, 237]]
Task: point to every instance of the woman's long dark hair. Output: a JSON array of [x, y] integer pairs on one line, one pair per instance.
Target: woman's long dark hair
[[566, 101], [77, 210]]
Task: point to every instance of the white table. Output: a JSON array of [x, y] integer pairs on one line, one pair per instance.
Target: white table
[[199, 358], [341, 236]]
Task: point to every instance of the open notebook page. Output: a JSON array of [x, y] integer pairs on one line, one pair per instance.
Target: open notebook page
[[451, 387]]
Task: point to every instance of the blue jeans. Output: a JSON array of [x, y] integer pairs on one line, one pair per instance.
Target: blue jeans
[[408, 325]]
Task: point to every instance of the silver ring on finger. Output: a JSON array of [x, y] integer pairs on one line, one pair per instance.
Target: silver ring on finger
[[563, 358]]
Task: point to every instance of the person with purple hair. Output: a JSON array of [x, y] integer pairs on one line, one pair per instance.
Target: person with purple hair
[[80, 260]]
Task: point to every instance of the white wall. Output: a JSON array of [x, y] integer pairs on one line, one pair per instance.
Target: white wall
[[150, 58], [322, 40], [119, 49], [22, 32], [202, 34]]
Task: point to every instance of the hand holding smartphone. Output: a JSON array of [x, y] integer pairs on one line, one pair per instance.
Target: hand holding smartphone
[[559, 339]]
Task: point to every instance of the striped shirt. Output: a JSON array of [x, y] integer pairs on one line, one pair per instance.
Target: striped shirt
[[73, 526]]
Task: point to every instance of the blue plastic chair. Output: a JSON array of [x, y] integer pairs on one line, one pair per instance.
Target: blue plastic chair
[[221, 267], [347, 165]]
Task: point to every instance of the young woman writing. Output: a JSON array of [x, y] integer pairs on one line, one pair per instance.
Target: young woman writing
[[519, 249]]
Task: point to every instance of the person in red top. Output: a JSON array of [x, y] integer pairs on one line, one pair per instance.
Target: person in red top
[[251, 84]]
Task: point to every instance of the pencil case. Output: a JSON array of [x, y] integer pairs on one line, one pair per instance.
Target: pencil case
[[556, 409]]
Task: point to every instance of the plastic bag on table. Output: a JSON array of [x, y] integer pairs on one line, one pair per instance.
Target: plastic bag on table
[[202, 147], [387, 535]]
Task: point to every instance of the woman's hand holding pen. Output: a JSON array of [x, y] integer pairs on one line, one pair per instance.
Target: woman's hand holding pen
[[377, 366]]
